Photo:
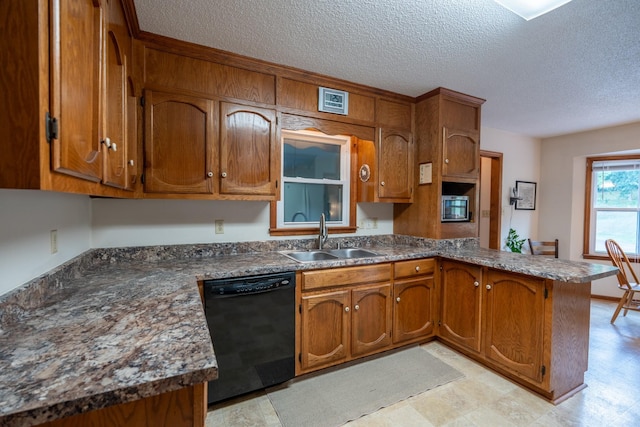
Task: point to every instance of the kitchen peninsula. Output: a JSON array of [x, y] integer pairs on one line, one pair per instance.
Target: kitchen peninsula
[[117, 325]]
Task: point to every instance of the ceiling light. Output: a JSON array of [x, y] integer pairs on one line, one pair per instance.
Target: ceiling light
[[529, 9]]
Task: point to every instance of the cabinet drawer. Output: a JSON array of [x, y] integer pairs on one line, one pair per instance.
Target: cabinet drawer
[[414, 267], [345, 276]]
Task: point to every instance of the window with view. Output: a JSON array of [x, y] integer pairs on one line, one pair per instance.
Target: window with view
[[315, 180], [613, 203]]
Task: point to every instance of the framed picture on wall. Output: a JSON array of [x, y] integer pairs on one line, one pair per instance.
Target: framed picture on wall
[[526, 193]]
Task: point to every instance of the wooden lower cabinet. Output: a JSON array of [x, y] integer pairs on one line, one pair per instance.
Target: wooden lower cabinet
[[185, 407], [325, 329], [370, 319], [460, 316], [351, 312], [514, 320], [414, 307], [340, 325], [533, 330]]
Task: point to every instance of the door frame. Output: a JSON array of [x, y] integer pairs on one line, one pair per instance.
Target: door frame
[[495, 208]]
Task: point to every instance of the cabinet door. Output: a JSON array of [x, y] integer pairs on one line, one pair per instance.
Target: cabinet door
[[325, 330], [461, 297], [76, 54], [178, 144], [395, 165], [248, 150], [461, 153], [371, 319], [115, 138], [514, 322], [413, 309]]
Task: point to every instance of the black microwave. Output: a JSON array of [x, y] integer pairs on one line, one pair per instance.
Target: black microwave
[[455, 208]]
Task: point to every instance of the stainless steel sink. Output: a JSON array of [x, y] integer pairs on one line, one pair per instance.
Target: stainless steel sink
[[352, 253], [328, 254], [308, 256]]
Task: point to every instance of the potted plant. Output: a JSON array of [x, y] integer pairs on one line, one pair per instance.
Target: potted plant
[[514, 243]]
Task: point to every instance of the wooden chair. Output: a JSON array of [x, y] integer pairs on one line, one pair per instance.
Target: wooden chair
[[619, 259], [544, 248]]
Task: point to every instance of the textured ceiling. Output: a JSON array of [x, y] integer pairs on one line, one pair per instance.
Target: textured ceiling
[[573, 69]]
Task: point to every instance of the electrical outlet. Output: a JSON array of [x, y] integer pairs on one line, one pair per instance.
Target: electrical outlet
[[54, 241], [219, 223], [374, 223]]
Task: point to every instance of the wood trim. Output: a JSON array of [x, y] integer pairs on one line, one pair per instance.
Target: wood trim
[[495, 217], [459, 96], [586, 231], [586, 241], [181, 47], [131, 17]]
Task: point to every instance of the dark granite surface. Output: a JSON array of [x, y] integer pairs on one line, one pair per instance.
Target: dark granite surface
[[115, 325]]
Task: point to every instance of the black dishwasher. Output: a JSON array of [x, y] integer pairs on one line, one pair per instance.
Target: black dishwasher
[[252, 325]]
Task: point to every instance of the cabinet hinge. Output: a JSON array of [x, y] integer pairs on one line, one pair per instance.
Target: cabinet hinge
[[300, 357], [141, 178], [546, 293], [300, 308], [543, 370], [51, 127], [142, 101]]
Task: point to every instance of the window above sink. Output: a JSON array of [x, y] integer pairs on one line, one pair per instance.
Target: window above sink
[[315, 180]]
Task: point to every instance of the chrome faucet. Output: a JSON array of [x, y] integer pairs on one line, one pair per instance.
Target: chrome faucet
[[322, 234]]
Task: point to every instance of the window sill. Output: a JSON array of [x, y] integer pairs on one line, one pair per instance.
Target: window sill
[[309, 231]]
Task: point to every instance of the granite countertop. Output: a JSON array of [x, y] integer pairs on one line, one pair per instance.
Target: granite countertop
[[116, 325]]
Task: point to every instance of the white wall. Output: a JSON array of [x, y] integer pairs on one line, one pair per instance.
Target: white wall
[[26, 219], [521, 162], [563, 187], [119, 223]]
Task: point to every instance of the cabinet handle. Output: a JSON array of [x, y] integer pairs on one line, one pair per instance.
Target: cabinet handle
[[417, 268], [446, 161], [488, 287], [398, 299], [346, 309], [382, 184], [476, 284], [107, 142], [224, 174], [209, 174], [114, 147], [131, 162], [356, 307]]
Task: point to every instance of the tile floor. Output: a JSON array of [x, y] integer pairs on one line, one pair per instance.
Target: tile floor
[[484, 398]]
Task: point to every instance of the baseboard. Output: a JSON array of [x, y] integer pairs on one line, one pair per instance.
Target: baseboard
[[606, 298]]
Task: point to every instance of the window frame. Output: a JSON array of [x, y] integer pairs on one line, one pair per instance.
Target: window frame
[[344, 142], [588, 250], [354, 132]]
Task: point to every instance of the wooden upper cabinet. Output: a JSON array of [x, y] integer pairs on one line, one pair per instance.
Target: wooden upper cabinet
[[460, 153], [385, 171], [76, 53], [178, 143], [248, 150], [115, 140], [395, 165]]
